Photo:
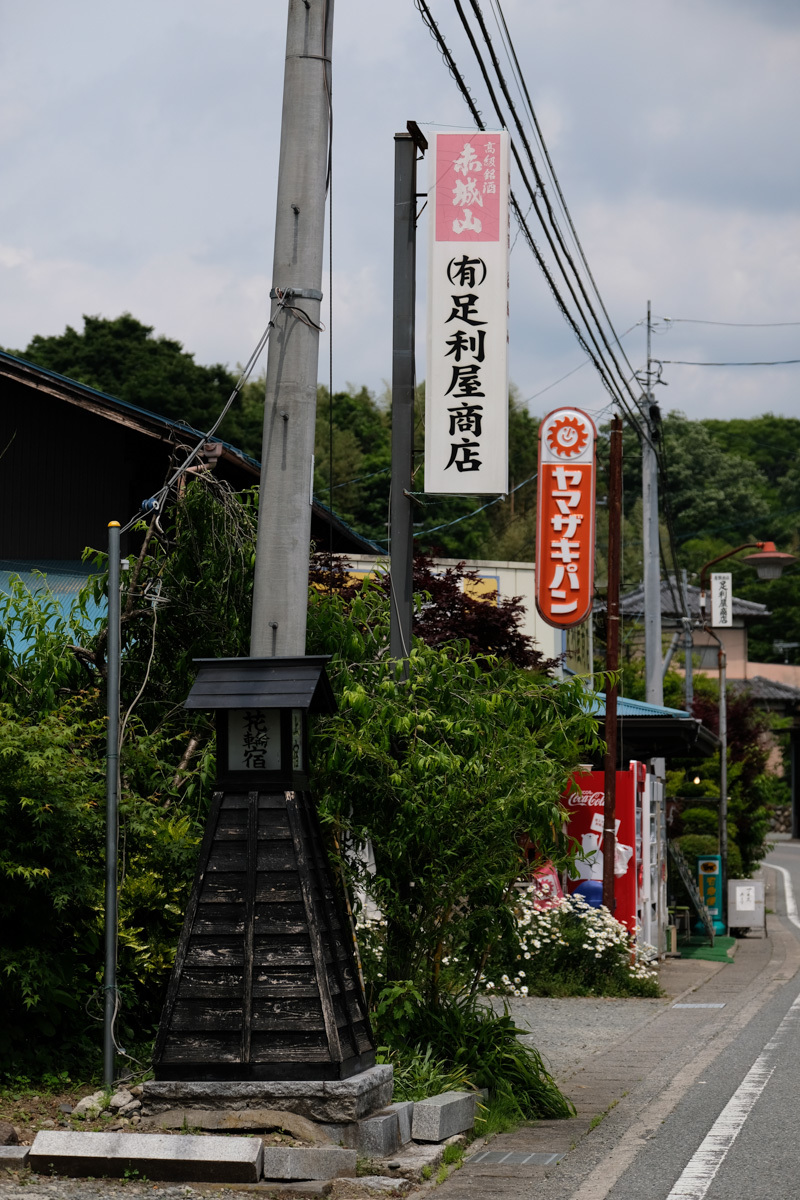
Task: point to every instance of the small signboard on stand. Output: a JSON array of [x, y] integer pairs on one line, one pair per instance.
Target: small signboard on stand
[[746, 904]]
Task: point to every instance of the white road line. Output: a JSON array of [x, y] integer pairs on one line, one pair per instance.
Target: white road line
[[701, 1170], [791, 906]]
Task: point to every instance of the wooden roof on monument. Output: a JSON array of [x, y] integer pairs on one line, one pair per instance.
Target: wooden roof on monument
[[300, 682]]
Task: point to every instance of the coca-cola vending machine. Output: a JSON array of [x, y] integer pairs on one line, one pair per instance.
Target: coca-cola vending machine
[[585, 805]]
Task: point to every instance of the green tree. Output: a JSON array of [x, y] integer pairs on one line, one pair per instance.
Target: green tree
[[121, 356], [769, 441], [474, 749], [710, 491], [441, 775]]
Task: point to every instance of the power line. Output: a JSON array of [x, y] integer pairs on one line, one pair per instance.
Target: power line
[[585, 363], [611, 375], [475, 511], [546, 154], [539, 191], [154, 503], [732, 324], [450, 62], [679, 362]]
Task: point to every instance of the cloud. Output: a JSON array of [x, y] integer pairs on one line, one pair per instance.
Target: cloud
[[140, 150]]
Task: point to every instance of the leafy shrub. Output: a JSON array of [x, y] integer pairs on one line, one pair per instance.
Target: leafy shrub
[[417, 1075], [467, 1038], [439, 774], [569, 949], [693, 844], [52, 875], [700, 820]]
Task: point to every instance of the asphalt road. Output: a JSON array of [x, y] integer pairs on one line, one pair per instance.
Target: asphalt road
[[734, 1134]]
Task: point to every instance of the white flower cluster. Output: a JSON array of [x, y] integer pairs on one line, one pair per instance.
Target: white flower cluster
[[540, 927]]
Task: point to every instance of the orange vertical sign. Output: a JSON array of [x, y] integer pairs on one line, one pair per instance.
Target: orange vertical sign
[[565, 517]]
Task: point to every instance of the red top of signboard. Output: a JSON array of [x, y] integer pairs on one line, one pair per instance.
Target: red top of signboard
[[467, 187]]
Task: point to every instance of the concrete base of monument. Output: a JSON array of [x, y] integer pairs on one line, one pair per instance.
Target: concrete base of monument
[[329, 1101]]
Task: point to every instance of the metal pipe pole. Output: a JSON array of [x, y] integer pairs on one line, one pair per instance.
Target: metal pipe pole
[[723, 782], [280, 589], [112, 802], [688, 642], [401, 532], [654, 687], [612, 660], [794, 760]]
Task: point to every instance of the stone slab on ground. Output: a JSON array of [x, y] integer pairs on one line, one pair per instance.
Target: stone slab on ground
[[405, 1115], [158, 1156], [298, 1189], [330, 1100], [14, 1156], [412, 1161], [368, 1185], [245, 1120], [308, 1162], [440, 1117]]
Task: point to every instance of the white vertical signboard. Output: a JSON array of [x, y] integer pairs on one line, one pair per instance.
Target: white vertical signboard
[[721, 599], [466, 389]]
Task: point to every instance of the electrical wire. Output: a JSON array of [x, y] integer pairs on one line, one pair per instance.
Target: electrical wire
[[360, 478], [159, 497], [679, 362], [538, 192], [475, 511], [512, 54], [579, 311], [732, 324], [450, 62], [541, 188], [606, 372], [585, 363]]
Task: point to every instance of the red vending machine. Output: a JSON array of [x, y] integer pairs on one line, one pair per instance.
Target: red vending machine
[[585, 805]]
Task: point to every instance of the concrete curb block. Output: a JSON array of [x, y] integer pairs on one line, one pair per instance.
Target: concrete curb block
[[14, 1156], [440, 1117], [308, 1162], [157, 1156]]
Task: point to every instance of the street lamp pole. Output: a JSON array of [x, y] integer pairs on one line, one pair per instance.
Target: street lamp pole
[[769, 563]]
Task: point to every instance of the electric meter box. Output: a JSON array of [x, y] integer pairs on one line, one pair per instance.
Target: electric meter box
[[746, 904]]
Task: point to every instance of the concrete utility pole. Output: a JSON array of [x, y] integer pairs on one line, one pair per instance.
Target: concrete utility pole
[[652, 566], [401, 518], [612, 660], [280, 595]]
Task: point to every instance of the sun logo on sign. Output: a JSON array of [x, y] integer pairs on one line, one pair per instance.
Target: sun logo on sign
[[567, 437]]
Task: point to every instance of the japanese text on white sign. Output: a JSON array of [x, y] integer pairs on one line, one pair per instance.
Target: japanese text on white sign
[[721, 599], [466, 391]]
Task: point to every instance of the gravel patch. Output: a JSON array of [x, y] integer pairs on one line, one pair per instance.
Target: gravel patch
[[566, 1031]]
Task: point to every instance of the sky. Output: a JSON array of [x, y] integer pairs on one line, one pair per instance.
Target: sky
[[139, 150]]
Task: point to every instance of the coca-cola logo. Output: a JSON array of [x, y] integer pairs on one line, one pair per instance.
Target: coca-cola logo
[[586, 800]]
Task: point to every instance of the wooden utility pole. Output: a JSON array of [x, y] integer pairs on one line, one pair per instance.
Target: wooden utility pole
[[401, 518], [280, 592], [612, 660]]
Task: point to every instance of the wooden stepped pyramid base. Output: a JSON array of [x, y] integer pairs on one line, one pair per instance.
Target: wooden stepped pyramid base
[[265, 984]]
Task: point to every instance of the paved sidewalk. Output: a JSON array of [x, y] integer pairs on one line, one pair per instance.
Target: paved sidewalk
[[625, 1055]]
